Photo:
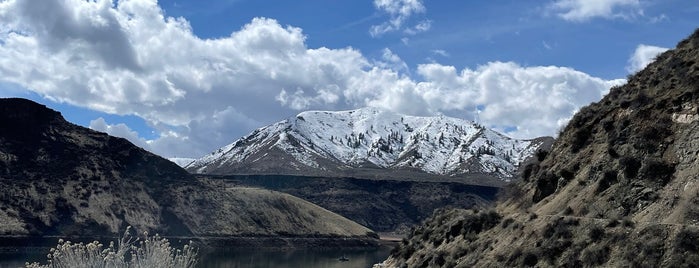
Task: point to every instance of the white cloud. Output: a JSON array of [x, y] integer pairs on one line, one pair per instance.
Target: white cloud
[[390, 60], [169, 141], [546, 45], [422, 26], [399, 11], [658, 19], [129, 58], [642, 56], [199, 94], [441, 52], [119, 130], [537, 100], [583, 10]]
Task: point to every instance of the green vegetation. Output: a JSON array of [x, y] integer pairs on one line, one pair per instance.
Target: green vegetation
[[152, 252]]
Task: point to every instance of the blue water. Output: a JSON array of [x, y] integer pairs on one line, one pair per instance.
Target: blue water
[[247, 258]]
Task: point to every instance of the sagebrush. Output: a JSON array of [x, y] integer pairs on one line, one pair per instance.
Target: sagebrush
[[151, 252]]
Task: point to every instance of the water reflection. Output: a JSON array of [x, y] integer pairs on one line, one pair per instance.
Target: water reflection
[[293, 259], [19, 257]]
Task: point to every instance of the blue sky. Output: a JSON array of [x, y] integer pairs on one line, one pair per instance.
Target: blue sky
[[471, 32], [182, 78]]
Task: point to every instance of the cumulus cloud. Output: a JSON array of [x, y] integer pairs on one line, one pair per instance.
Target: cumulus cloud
[[390, 60], [583, 10], [642, 56], [169, 141], [199, 94], [118, 130], [399, 11], [535, 100]]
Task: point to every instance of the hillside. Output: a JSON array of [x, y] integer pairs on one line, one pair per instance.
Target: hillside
[[618, 189], [381, 205], [59, 179], [371, 142]]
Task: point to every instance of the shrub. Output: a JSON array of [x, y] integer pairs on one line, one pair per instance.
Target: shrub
[[596, 233], [533, 216], [631, 167], [545, 185], [560, 228], [608, 179], [686, 245], [687, 240], [481, 221], [530, 260], [612, 223], [646, 249], [567, 174], [568, 211], [506, 222], [595, 255], [528, 169], [512, 191], [655, 169], [151, 252]]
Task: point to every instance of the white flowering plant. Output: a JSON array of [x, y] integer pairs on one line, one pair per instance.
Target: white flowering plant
[[131, 252]]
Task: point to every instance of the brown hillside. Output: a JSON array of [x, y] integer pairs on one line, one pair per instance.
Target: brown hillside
[[60, 179], [619, 188]]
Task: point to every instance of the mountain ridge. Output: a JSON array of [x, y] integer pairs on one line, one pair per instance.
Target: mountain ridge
[[343, 142]]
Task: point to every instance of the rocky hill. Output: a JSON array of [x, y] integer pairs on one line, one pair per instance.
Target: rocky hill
[[59, 179], [371, 142], [618, 189]]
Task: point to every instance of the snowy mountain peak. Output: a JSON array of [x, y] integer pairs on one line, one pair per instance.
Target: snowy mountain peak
[[341, 142]]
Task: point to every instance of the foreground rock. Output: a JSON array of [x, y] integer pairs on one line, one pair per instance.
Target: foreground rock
[[619, 188], [59, 179]]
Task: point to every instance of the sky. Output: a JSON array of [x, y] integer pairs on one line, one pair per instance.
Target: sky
[[182, 78]]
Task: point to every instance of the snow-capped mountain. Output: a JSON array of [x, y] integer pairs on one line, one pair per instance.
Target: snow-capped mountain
[[370, 139]]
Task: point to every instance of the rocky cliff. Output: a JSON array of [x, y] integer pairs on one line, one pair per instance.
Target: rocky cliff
[[619, 187]]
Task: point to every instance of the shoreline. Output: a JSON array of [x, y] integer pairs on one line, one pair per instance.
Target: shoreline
[[390, 239], [13, 244]]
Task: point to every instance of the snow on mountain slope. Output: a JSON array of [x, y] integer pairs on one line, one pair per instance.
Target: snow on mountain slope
[[181, 161], [370, 138]]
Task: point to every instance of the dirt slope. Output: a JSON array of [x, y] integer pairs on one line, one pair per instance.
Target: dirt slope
[[620, 187]]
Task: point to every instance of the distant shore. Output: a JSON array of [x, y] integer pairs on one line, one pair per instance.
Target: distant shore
[[391, 238], [9, 244]]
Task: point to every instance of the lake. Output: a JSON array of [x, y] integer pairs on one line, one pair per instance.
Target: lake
[[250, 258]]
